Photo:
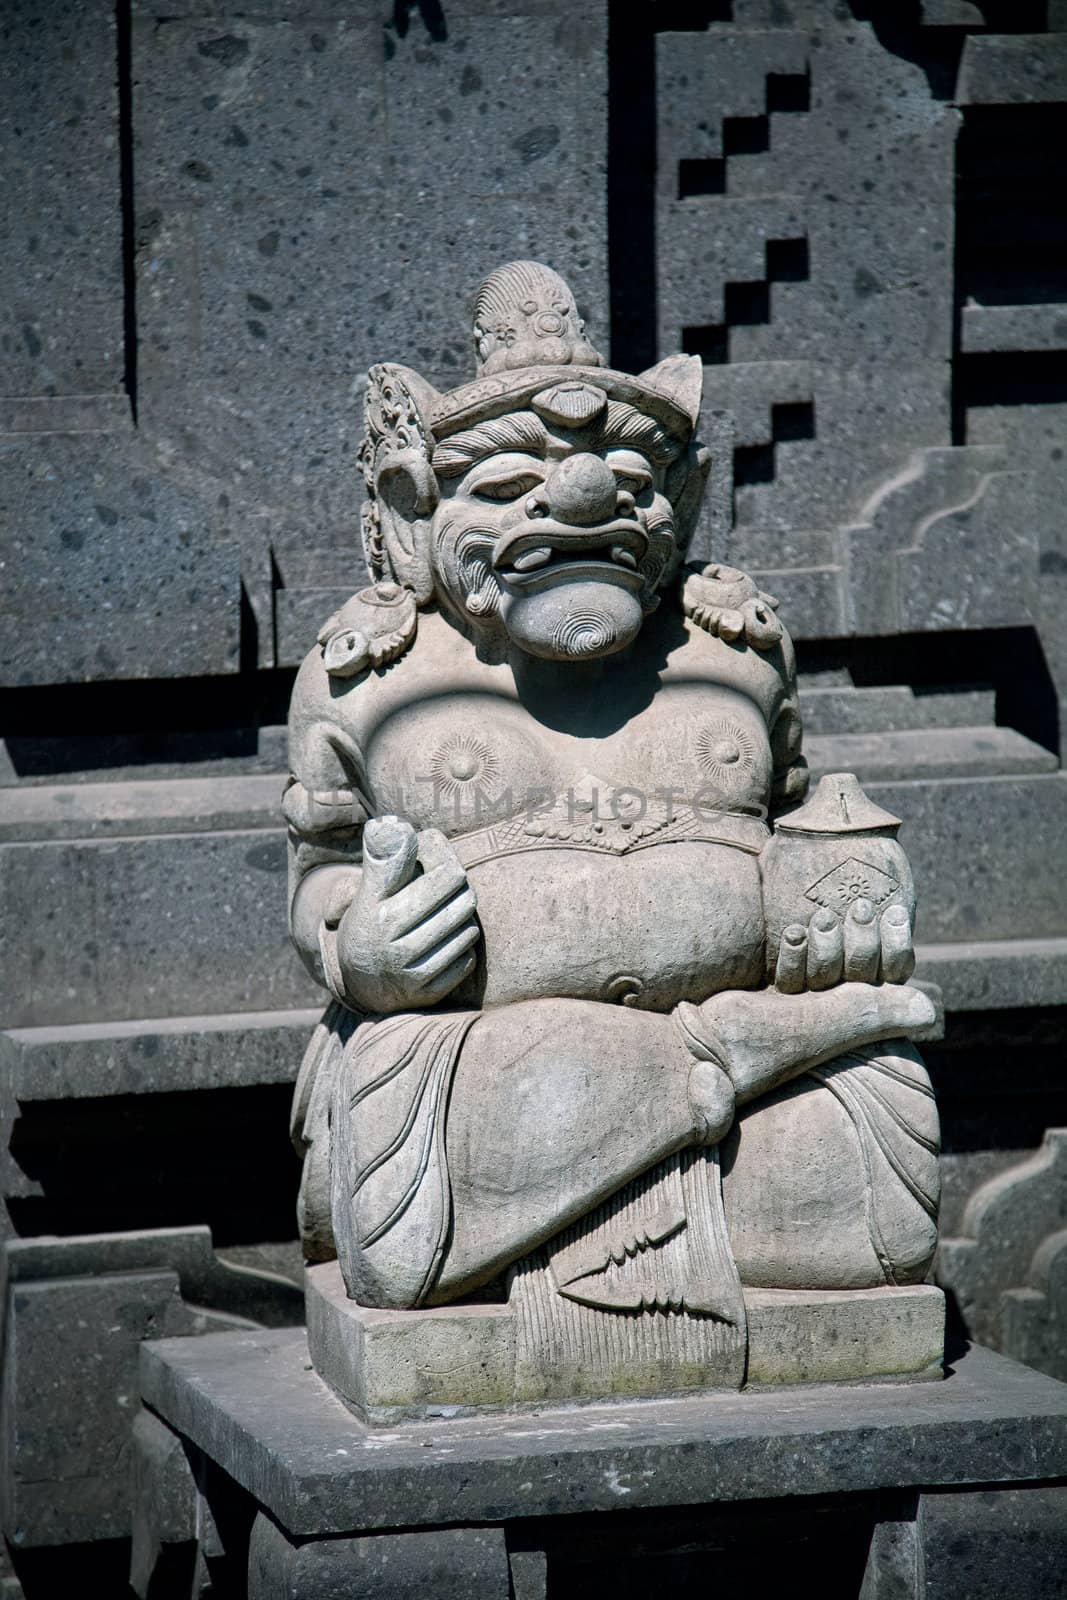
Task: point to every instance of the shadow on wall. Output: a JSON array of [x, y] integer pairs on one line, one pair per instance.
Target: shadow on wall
[[154, 1161], [1011, 661], [431, 12]]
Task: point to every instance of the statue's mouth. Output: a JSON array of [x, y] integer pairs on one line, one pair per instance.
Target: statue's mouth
[[541, 550]]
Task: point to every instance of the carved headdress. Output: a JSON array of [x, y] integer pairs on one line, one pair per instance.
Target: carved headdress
[[531, 353]]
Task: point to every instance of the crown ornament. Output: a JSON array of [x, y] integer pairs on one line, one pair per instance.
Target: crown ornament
[[526, 316]]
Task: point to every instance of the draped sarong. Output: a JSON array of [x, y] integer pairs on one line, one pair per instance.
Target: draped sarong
[[885, 1091], [390, 1195]]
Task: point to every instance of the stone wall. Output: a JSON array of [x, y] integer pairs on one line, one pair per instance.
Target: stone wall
[[217, 217]]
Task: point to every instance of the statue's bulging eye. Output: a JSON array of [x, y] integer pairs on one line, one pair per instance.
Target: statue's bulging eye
[[507, 488], [633, 472], [635, 482]]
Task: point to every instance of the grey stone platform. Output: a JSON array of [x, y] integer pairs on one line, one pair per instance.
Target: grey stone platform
[[982, 1455]]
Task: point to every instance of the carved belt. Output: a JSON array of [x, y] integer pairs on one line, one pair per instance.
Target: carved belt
[[609, 835]]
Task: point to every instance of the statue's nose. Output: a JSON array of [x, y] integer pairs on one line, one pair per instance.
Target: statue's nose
[[582, 490]]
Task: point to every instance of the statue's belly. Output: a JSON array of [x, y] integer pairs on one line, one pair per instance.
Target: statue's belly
[[669, 923]]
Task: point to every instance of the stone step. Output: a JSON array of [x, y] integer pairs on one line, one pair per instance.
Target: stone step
[[989, 854], [158, 924], [1014, 328], [827, 711], [837, 710], [156, 1055], [121, 757], [151, 926], [934, 752], [227, 1050], [994, 974], [179, 1055], [832, 709], [139, 807]]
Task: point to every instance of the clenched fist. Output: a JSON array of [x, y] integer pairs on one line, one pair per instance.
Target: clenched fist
[[406, 940]]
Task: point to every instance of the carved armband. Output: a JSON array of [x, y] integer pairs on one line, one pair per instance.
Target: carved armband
[[323, 811], [371, 629]]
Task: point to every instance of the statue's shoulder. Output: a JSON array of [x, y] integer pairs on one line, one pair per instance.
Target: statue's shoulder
[[736, 637], [374, 628], [729, 605]]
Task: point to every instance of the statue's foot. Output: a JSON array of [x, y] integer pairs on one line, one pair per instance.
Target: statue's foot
[[763, 1037]]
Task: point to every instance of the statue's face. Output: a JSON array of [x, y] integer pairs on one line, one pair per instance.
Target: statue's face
[[558, 538]]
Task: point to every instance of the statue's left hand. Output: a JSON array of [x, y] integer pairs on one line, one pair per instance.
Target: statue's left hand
[[861, 947]]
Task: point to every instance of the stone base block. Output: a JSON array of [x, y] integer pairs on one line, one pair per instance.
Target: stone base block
[[391, 1365], [844, 1335]]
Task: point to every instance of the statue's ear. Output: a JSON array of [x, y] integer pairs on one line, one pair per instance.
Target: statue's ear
[[401, 487], [682, 378], [684, 487]]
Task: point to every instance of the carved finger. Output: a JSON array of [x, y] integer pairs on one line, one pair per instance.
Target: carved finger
[[390, 856], [431, 966], [435, 850], [445, 982], [428, 933], [898, 956], [826, 950], [863, 943], [790, 975], [421, 898]]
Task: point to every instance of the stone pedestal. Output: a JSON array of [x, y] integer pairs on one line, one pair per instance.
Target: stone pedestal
[[938, 1491]]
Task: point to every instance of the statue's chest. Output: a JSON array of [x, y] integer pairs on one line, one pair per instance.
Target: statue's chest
[[455, 761]]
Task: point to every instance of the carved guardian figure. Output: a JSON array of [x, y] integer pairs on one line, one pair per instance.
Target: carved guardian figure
[[619, 1026]]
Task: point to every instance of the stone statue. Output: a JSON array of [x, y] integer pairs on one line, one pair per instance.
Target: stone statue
[[619, 1026]]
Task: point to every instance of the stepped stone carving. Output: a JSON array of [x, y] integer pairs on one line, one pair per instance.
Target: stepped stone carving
[[76, 1312], [1008, 1268], [1033, 1320], [618, 1037], [904, 549]]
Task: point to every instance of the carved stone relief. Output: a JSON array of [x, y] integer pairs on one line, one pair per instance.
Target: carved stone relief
[[1008, 1266]]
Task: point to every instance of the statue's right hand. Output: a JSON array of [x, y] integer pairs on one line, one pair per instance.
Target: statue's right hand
[[406, 940]]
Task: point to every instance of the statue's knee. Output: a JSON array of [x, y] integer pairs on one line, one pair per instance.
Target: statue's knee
[[807, 1206], [910, 1251]]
